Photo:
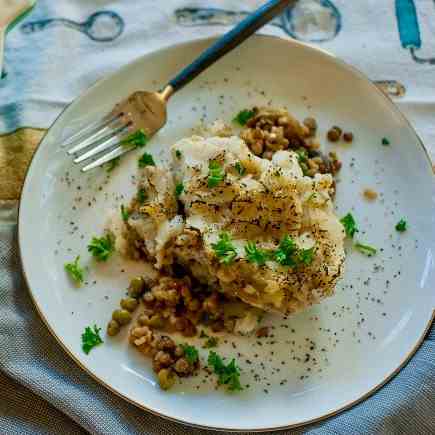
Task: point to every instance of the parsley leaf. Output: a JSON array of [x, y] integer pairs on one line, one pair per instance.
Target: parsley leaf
[[178, 154], [349, 225], [190, 353], [306, 256], [304, 168], [112, 164], [244, 116], [285, 253], [240, 168], [385, 141], [211, 342], [91, 338], [228, 374], [215, 175], [124, 213], [224, 249], [141, 195], [255, 255], [179, 189], [138, 139], [401, 226], [102, 248], [288, 253], [365, 249], [302, 155], [146, 160], [75, 271]]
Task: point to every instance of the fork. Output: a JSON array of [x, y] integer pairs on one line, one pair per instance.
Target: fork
[[134, 120]]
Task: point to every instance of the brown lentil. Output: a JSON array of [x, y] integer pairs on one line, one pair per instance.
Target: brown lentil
[[339, 130], [370, 194], [348, 136], [182, 366], [163, 359], [262, 332], [179, 351], [257, 148], [270, 130], [333, 134], [190, 330], [311, 124], [148, 297], [165, 343]]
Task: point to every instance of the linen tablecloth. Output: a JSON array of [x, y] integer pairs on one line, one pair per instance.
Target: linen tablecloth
[[63, 47]]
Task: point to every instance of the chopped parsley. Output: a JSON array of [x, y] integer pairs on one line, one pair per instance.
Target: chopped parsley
[[365, 249], [146, 160], [224, 249], [190, 353], [141, 195], [75, 271], [349, 225], [138, 139], [211, 342], [91, 338], [385, 141], [306, 256], [401, 226], [216, 174], [256, 255], [288, 253], [240, 168], [178, 154], [312, 196], [102, 248], [302, 155], [179, 189], [228, 374], [244, 116], [124, 213], [304, 168], [112, 164], [285, 254]]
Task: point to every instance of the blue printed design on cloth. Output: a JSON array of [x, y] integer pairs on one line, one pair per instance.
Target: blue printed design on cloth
[[101, 26], [47, 69], [48, 61], [409, 29]]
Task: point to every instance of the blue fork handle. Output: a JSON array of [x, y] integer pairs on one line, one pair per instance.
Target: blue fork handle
[[230, 40]]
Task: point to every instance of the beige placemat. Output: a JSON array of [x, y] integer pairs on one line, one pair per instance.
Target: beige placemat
[[16, 151]]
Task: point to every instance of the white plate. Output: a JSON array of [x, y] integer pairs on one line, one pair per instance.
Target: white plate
[[334, 354]]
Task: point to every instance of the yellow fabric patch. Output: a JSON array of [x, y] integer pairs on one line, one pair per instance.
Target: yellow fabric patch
[[16, 151]]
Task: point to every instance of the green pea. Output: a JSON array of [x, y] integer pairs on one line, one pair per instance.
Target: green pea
[[129, 304], [156, 321], [121, 316], [166, 378], [137, 287], [113, 328]]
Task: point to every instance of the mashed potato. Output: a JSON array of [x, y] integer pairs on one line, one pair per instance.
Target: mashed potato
[[255, 201]]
